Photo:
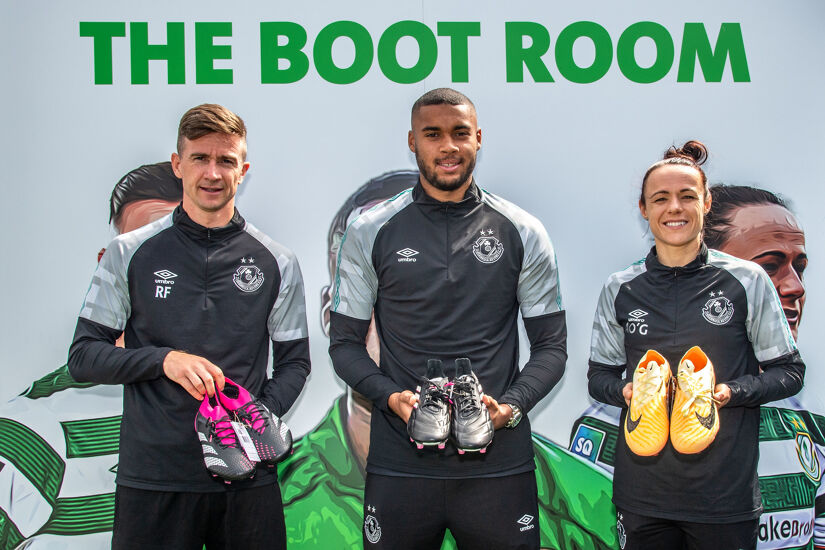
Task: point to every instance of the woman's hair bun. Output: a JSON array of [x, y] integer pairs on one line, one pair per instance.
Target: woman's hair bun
[[694, 151]]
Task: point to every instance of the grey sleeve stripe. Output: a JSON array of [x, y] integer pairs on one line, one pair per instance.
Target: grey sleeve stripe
[[107, 300], [288, 317], [356, 283], [539, 291], [607, 339], [766, 323]]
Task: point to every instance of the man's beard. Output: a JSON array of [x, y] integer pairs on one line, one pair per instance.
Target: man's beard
[[441, 184]]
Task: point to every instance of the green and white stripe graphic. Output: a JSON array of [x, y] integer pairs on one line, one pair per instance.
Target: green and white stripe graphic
[[94, 437]]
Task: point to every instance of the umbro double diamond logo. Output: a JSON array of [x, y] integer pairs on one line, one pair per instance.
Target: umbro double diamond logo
[[163, 283], [526, 521], [407, 255]]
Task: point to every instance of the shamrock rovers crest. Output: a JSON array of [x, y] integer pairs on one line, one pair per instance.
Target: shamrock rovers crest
[[248, 277], [487, 249], [371, 527], [718, 310]]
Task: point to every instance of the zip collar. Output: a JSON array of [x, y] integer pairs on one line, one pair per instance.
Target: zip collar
[[182, 221], [472, 197], [653, 264]]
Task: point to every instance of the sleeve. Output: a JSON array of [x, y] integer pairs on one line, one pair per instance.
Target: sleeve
[[783, 370], [287, 325], [354, 294], [539, 292], [548, 353], [93, 356], [539, 297], [607, 353], [352, 363]]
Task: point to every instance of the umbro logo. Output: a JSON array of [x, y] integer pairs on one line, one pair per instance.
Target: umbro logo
[[163, 283], [526, 521], [636, 322], [407, 255]]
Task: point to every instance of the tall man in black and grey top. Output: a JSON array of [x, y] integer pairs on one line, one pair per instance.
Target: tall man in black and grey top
[[199, 294], [446, 266]]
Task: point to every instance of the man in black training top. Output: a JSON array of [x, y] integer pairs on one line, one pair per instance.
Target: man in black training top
[[446, 267], [171, 286]]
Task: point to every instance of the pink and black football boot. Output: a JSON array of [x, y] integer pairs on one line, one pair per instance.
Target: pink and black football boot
[[270, 434], [222, 453]]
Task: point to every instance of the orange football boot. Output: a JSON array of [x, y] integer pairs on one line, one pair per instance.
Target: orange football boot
[[695, 420], [646, 423]]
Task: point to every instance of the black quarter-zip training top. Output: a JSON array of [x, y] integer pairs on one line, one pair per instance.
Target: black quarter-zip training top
[[447, 280], [729, 308], [226, 294]]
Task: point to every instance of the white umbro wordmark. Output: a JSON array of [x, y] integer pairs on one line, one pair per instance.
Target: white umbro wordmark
[[527, 521], [164, 282], [407, 255]]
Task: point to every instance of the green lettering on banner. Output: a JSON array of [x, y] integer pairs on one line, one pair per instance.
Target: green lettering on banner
[[459, 33], [173, 52], [626, 52], [206, 52], [272, 52], [102, 34], [322, 52], [564, 52], [427, 52], [729, 45], [517, 56]]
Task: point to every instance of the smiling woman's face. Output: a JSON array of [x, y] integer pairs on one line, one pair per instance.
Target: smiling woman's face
[[769, 235]]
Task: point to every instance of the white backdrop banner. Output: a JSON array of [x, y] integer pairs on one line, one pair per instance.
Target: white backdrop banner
[[575, 101]]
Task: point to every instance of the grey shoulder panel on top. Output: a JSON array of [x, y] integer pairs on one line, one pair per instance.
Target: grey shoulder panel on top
[[766, 323], [287, 317], [107, 300], [539, 288], [356, 283]]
